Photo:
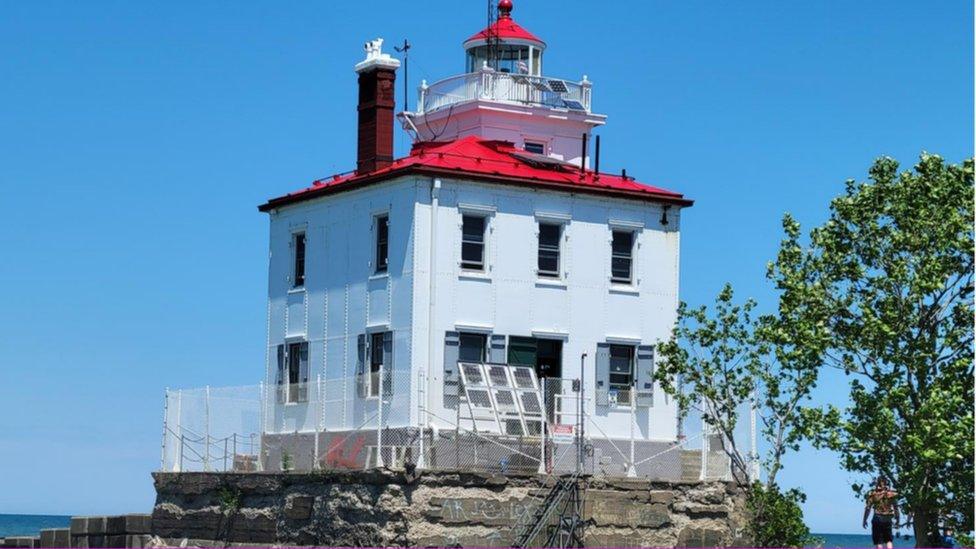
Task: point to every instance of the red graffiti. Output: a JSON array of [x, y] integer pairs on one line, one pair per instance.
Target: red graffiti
[[337, 458]]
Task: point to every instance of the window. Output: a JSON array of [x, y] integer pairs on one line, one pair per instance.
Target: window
[[549, 234], [299, 244], [534, 147], [375, 362], [297, 373], [622, 257], [471, 348], [621, 367], [473, 242], [382, 243]]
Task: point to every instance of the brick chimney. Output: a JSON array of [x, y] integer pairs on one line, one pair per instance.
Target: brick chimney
[[377, 74]]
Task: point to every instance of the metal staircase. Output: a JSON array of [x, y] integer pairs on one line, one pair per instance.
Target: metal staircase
[[564, 498], [568, 532], [564, 501]]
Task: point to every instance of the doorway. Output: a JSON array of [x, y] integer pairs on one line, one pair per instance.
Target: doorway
[[546, 357]]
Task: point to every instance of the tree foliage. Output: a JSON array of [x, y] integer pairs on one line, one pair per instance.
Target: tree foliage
[[882, 292], [710, 366], [724, 361], [887, 288], [783, 524]]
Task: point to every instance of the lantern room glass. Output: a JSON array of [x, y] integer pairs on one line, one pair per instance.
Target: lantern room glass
[[509, 57]]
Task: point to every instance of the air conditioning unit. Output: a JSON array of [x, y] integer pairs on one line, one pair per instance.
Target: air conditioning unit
[[620, 397]]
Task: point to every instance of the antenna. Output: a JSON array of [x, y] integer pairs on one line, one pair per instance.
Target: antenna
[[596, 169], [582, 172], [491, 36], [404, 50]]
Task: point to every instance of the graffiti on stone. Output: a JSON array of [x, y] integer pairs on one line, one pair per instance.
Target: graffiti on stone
[[494, 538], [480, 511]]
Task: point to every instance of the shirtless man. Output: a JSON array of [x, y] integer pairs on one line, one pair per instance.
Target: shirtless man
[[881, 500]]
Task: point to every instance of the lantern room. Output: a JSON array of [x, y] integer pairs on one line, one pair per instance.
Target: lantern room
[[505, 46], [505, 95]]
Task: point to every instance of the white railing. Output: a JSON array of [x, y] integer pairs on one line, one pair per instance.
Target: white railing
[[491, 85]]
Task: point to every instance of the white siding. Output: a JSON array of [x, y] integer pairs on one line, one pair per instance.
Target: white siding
[[341, 298], [511, 300]]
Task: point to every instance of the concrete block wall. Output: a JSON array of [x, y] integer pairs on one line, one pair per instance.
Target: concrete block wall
[[121, 531]]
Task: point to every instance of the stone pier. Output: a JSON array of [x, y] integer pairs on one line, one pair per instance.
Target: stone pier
[[384, 508]]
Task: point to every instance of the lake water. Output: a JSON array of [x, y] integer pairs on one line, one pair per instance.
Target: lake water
[[30, 525], [858, 540]]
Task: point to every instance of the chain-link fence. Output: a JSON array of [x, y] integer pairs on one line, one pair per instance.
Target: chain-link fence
[[213, 428], [362, 422]]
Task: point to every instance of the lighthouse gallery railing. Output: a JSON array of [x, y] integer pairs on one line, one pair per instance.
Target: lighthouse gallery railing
[[505, 87]]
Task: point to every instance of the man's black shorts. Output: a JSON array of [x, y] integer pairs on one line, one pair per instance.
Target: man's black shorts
[[881, 529]]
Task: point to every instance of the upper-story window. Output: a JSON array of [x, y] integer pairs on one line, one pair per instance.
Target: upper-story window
[[549, 237], [622, 257], [382, 243], [535, 147], [298, 242], [473, 242]]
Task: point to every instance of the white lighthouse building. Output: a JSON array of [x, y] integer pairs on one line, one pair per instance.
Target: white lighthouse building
[[429, 294]]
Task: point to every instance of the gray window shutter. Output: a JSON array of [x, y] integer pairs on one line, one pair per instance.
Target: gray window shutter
[[452, 380], [496, 353], [387, 363], [362, 378], [303, 373], [644, 376], [280, 381], [602, 389]]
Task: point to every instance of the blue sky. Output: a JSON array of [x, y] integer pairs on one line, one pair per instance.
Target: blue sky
[[136, 140]]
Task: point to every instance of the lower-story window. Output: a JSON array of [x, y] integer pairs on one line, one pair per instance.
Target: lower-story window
[[293, 372], [471, 348], [375, 363], [621, 367]]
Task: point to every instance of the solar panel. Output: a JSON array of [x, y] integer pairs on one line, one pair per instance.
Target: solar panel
[[479, 398], [573, 104], [530, 403], [497, 376], [541, 86], [523, 378], [504, 398], [472, 374], [558, 86], [542, 160]]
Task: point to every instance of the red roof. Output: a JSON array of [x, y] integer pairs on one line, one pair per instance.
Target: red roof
[[491, 161], [506, 27]]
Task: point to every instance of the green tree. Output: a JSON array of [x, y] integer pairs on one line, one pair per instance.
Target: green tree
[[886, 286], [782, 523], [722, 362]]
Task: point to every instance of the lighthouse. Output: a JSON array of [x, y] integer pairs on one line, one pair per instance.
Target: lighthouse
[[483, 283]]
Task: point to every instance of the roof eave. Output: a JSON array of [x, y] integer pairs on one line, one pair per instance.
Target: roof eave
[[670, 199]]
